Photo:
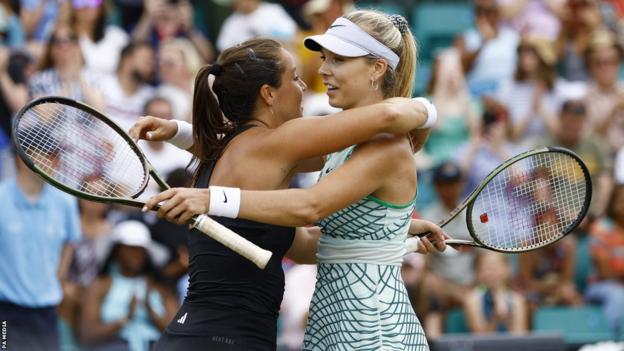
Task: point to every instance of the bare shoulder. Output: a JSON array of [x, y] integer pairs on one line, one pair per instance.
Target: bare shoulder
[[390, 146]]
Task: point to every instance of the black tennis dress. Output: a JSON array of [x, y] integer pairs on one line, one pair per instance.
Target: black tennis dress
[[231, 304]]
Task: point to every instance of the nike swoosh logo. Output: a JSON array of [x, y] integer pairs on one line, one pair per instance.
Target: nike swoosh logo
[[328, 170], [224, 198], [336, 25]]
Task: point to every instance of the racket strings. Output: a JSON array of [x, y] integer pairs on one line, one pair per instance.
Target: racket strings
[[531, 203], [80, 151]]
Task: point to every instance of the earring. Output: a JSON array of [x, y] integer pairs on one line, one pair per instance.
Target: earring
[[373, 84]]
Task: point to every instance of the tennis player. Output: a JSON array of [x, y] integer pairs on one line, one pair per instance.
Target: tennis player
[[231, 304], [363, 202]]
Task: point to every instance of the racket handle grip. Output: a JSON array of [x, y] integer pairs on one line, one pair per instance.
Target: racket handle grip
[[411, 244], [259, 256]]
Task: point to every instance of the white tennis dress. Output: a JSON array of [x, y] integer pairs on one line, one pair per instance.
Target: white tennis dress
[[360, 301]]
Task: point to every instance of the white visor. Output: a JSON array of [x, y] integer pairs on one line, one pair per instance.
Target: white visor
[[347, 39]]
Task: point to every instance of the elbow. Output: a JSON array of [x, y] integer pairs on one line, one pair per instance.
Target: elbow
[[390, 117], [309, 211]]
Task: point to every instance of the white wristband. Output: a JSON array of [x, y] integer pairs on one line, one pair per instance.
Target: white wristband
[[432, 113], [183, 138], [224, 201]]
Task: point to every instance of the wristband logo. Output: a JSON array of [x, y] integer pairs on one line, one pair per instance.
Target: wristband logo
[[224, 198]]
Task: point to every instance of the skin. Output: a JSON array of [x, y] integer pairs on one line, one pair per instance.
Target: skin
[[384, 163], [493, 272], [130, 260]]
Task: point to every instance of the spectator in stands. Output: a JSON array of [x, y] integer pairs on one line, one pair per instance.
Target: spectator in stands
[[11, 30], [533, 17], [101, 44], [532, 96], [40, 16], [571, 134], [164, 20], [546, 276], [451, 276], [320, 14], [458, 119], [488, 149], [580, 19], [178, 61], [488, 51], [492, 306], [163, 156], [255, 18], [37, 225], [127, 308], [15, 68], [87, 259], [62, 71], [607, 245], [173, 238], [605, 97], [127, 90]]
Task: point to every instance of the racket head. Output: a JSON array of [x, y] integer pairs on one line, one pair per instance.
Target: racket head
[[530, 201], [79, 150]]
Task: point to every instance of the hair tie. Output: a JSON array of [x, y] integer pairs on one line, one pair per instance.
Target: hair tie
[[216, 69], [400, 23]]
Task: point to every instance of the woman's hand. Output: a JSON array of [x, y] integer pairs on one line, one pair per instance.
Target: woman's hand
[[153, 129], [431, 242], [179, 205]]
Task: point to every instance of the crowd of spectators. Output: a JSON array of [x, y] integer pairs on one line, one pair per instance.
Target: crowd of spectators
[[527, 74]]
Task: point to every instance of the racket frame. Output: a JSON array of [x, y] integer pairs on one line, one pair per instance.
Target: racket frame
[[469, 201], [259, 256], [147, 167]]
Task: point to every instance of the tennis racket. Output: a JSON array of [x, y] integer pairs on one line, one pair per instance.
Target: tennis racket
[[82, 152], [527, 202]]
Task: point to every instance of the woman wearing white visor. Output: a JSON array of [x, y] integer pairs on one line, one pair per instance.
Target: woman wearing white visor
[[363, 201]]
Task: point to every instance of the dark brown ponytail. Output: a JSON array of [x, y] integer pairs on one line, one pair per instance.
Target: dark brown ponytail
[[239, 74]]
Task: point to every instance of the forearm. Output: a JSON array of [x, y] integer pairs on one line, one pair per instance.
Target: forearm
[[142, 29], [16, 95], [289, 207], [202, 45]]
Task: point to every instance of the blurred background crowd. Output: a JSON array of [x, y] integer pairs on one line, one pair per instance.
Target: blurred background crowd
[[505, 75]]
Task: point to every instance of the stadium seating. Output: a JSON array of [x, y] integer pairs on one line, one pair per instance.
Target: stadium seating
[[579, 325], [455, 322], [584, 265], [437, 24], [385, 6]]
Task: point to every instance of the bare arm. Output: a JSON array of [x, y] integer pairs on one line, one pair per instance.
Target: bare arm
[[323, 135], [519, 320], [511, 10], [304, 247], [92, 329], [171, 307], [372, 162], [66, 257]]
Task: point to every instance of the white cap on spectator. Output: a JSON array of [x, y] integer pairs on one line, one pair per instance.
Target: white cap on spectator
[[135, 233]]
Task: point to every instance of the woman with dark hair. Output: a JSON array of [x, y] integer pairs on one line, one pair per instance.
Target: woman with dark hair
[[127, 306], [101, 44], [532, 96], [231, 304], [364, 200], [62, 71]]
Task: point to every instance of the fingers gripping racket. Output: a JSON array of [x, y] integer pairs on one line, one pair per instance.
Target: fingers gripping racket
[[82, 152], [528, 202]]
